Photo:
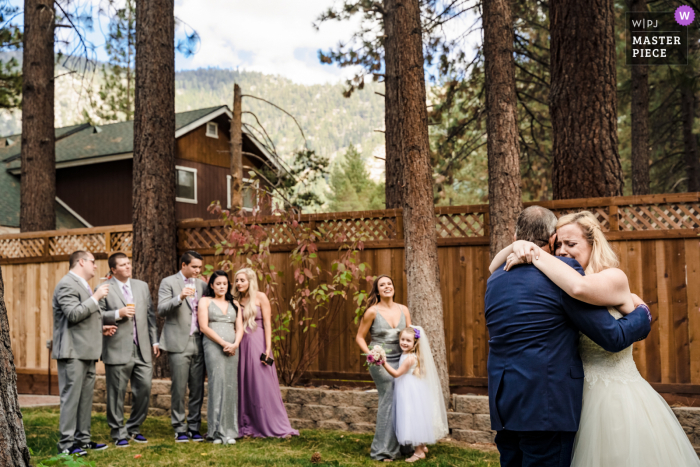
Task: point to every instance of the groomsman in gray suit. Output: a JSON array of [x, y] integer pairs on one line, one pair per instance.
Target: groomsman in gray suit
[[177, 302], [77, 344], [127, 354]]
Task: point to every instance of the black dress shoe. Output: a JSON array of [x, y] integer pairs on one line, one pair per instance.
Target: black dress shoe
[[95, 446]]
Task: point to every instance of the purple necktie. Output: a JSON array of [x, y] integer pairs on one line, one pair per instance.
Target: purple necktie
[[130, 299], [194, 327]]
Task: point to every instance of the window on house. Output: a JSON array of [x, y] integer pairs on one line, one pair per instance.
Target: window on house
[[186, 191], [212, 130], [248, 193]]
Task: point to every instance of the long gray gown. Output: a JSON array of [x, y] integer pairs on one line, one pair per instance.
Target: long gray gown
[[385, 445], [222, 370]]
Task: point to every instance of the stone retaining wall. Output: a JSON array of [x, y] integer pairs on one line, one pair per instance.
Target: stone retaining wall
[[356, 411]]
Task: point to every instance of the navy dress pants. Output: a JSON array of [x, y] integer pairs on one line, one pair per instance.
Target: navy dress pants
[[535, 448]]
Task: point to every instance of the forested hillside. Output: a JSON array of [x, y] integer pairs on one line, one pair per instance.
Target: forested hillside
[[330, 121]]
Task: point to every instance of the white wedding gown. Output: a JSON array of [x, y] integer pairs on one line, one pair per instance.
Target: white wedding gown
[[624, 422]]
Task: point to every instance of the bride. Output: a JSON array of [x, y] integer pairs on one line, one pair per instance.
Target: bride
[[624, 422]]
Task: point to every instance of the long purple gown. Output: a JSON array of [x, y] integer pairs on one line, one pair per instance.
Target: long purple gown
[[261, 412]]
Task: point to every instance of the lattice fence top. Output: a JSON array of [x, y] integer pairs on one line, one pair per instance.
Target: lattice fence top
[[626, 216]]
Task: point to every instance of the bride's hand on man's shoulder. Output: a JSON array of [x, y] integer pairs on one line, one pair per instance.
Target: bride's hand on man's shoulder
[[526, 251], [512, 261]]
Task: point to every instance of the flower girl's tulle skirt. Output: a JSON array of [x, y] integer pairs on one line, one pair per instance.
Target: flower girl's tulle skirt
[[413, 411], [628, 424]]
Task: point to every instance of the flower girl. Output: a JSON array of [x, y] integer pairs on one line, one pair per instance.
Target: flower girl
[[419, 406]]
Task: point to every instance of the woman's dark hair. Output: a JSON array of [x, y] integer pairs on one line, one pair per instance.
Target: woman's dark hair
[[373, 297], [210, 290]]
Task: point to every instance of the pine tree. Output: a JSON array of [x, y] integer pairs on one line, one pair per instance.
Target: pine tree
[[351, 187], [116, 94]]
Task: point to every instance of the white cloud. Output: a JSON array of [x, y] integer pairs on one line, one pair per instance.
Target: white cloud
[[270, 36]]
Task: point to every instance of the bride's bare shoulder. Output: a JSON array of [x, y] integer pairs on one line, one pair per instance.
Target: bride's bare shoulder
[[614, 274]]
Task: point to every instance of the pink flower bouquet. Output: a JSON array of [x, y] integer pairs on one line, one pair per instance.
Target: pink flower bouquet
[[376, 356]]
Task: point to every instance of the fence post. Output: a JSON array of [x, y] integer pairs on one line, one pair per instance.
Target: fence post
[[613, 218], [47, 248], [399, 225], [108, 242]]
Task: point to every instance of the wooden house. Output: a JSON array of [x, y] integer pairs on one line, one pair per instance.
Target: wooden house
[[94, 167]]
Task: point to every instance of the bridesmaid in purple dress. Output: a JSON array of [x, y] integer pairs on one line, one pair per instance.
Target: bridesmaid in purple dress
[[261, 412]]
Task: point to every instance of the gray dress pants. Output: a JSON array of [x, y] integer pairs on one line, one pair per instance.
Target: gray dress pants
[[187, 371], [76, 383], [117, 378]]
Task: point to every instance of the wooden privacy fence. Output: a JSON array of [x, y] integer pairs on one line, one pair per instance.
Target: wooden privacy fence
[[655, 236]]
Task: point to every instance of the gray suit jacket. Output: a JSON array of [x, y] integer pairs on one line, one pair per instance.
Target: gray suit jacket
[[77, 321], [178, 315], [118, 349]]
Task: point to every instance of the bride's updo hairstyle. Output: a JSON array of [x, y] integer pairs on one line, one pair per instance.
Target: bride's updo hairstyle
[[602, 255], [416, 347], [249, 310]]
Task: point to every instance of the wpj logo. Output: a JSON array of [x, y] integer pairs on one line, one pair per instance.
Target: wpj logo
[[658, 38]]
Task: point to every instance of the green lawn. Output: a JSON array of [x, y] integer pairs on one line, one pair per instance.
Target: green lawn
[[336, 448]]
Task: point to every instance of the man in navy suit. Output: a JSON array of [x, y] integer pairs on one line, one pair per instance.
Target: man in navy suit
[[535, 371]]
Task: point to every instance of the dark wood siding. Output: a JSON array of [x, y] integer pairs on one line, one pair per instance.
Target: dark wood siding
[[211, 186], [99, 193], [196, 146]]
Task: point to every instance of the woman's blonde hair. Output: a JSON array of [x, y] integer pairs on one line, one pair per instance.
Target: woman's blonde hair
[[602, 255], [415, 350], [249, 310]]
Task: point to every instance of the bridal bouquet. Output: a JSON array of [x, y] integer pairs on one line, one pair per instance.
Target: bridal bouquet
[[376, 356]]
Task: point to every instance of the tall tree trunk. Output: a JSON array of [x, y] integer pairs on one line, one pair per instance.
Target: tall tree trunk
[[501, 124], [13, 443], [690, 142], [583, 101], [640, 121], [237, 149], [393, 188], [422, 269], [38, 153], [154, 251]]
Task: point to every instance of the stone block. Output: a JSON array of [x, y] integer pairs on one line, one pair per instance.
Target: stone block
[[128, 399], [160, 386], [302, 424], [362, 427], [317, 412], [460, 421], [101, 408], [352, 414], [303, 396], [283, 392], [293, 410], [482, 422], [206, 389], [688, 416], [472, 404], [337, 398], [162, 401], [99, 396], [333, 425], [365, 399], [688, 430], [372, 414], [100, 383], [156, 412], [473, 436]]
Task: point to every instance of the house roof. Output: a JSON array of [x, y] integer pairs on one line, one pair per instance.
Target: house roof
[[87, 144], [9, 206]]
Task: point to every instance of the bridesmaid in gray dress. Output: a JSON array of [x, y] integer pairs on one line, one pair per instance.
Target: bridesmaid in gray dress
[[223, 331], [384, 320]]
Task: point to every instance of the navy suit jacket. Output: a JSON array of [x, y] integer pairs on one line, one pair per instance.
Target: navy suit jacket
[[535, 371]]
